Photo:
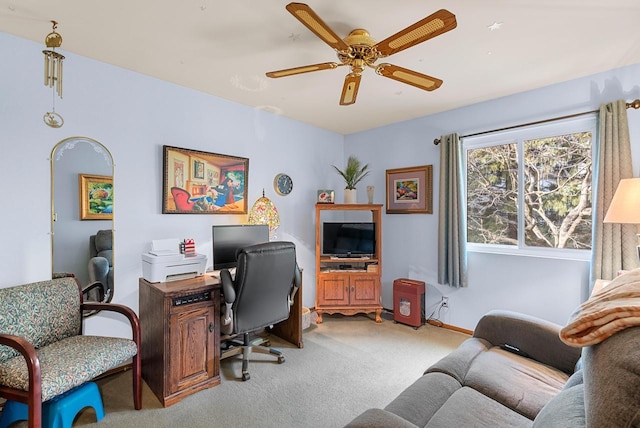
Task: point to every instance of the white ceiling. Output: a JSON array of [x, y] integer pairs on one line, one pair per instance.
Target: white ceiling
[[225, 47]]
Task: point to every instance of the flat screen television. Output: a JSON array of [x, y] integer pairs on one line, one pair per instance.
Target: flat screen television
[[348, 239], [227, 239]]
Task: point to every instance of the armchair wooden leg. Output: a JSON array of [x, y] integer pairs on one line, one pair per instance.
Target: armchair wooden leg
[[137, 384], [35, 412], [34, 397]]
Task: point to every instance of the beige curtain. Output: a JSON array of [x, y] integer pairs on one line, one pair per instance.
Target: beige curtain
[[613, 244], [452, 215]]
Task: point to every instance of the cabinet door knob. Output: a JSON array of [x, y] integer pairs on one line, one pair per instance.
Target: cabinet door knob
[[211, 327]]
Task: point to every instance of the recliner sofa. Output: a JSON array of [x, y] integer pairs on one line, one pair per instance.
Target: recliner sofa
[[516, 372], [101, 263]]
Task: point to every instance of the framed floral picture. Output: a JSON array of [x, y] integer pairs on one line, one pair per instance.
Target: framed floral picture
[[95, 197], [410, 190], [197, 182]]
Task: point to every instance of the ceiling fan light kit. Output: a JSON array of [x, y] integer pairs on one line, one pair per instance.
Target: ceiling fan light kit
[[359, 50]]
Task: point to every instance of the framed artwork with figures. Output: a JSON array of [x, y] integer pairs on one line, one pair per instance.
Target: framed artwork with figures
[[198, 182]]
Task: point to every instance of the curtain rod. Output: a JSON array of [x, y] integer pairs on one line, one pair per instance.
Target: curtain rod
[[633, 104]]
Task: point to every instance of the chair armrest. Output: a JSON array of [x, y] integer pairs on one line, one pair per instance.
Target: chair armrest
[[98, 269], [94, 285], [229, 296], [530, 336], [122, 309], [28, 351], [228, 290], [297, 281], [612, 381]]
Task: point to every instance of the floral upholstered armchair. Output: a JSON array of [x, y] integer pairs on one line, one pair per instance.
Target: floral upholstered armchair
[[43, 352]]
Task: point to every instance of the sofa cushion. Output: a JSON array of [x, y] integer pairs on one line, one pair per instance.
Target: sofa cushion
[[521, 384], [378, 418], [457, 363], [565, 410], [469, 408], [612, 380], [421, 400], [69, 362]]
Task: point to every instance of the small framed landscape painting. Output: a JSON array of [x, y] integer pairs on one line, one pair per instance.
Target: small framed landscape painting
[[410, 190], [197, 182], [96, 197]]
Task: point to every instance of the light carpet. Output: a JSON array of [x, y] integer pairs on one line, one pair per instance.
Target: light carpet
[[347, 365]]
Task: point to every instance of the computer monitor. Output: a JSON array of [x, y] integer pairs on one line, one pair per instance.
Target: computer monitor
[[227, 239]]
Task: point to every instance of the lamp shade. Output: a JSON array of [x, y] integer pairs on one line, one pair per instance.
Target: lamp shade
[[625, 205], [264, 211]]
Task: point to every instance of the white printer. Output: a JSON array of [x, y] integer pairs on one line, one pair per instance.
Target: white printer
[[165, 262]]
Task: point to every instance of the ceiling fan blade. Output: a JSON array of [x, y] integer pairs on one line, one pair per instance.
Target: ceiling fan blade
[[409, 77], [313, 22], [433, 25], [303, 69], [350, 89]]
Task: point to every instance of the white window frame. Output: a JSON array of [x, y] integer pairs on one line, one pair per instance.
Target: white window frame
[[518, 136]]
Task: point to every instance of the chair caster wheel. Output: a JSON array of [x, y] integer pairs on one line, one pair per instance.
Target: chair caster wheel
[[266, 343], [246, 376], [281, 359]]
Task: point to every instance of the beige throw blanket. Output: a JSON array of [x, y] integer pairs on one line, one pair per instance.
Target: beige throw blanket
[[613, 308]]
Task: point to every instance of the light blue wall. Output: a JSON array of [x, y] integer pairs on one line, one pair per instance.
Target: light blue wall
[[134, 115], [548, 288]]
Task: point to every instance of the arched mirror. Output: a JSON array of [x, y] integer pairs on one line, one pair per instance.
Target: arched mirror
[[82, 215]]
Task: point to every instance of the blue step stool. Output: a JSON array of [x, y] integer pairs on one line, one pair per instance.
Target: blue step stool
[[60, 411]]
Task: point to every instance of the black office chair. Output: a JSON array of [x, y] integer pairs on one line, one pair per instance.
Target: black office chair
[[267, 279]]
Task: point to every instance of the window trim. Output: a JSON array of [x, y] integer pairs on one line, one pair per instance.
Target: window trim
[[564, 126]]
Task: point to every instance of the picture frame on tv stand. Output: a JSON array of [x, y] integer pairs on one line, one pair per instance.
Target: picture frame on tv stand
[[325, 196]]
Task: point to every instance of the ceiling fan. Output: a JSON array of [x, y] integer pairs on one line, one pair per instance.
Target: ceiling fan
[[358, 50]]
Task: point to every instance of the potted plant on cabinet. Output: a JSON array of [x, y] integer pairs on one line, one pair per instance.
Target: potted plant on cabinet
[[352, 175]]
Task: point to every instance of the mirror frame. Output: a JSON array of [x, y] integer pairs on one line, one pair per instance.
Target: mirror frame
[[96, 144]]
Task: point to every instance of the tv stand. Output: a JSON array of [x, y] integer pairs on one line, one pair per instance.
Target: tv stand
[[356, 288]]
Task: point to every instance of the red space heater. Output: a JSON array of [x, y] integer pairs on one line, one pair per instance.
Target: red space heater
[[408, 302]]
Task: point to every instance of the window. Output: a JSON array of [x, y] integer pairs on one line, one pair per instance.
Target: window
[[530, 190]]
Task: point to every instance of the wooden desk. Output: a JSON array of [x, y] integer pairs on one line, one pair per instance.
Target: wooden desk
[[291, 328], [180, 347], [179, 323]]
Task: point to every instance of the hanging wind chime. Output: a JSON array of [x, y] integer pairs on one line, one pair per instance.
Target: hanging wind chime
[[53, 74]]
